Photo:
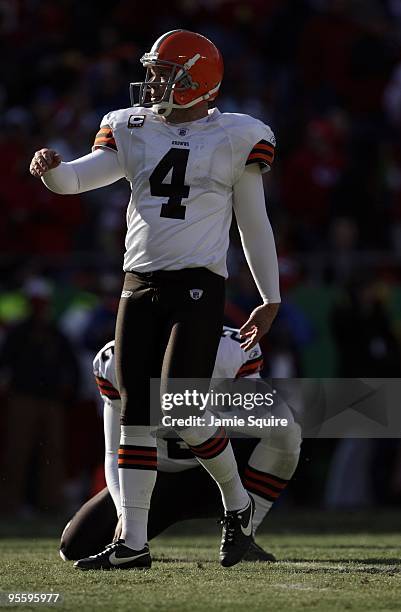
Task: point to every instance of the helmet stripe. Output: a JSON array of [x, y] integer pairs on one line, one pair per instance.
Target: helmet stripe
[[156, 45]]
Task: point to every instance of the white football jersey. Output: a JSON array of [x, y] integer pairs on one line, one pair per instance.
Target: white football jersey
[[104, 372], [182, 179], [232, 361]]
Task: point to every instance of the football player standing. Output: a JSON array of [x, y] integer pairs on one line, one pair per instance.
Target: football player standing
[[188, 166]]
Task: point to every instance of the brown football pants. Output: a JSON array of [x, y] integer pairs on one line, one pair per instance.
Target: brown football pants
[[168, 326]]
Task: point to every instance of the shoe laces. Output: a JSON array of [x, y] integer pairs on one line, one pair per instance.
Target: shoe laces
[[228, 521], [107, 548]]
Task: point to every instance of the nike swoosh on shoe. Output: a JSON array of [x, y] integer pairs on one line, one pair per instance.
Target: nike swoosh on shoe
[[248, 529], [120, 560]]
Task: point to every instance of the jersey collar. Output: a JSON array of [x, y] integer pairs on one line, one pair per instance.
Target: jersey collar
[[212, 115]]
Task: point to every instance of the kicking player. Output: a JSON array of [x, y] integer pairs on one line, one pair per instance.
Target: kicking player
[[182, 490], [188, 167]]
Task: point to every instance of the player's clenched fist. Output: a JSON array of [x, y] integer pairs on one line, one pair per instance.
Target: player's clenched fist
[[43, 161]]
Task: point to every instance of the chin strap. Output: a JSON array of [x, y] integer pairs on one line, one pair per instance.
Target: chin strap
[[165, 108]]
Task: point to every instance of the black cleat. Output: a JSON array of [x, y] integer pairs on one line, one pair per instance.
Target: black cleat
[[256, 553], [117, 556], [237, 534]]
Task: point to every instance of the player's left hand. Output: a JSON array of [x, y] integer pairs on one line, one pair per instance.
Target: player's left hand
[[257, 325]]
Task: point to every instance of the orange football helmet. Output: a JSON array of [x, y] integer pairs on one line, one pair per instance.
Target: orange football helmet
[[183, 69]]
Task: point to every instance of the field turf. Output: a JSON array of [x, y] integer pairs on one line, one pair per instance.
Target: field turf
[[348, 567]]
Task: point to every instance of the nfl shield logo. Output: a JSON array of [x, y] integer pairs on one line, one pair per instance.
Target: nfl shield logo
[[196, 294], [182, 132]]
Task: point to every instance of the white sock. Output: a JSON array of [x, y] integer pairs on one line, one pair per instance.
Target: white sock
[[137, 448], [262, 507], [112, 478], [134, 526], [233, 493], [216, 455], [111, 418], [270, 467]]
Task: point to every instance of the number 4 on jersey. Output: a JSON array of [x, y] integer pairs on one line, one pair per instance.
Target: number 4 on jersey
[[177, 160]]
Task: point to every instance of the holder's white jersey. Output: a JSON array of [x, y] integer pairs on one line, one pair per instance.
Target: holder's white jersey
[[182, 179], [232, 361]]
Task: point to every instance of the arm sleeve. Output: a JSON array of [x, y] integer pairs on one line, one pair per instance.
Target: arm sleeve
[[256, 233], [98, 169]]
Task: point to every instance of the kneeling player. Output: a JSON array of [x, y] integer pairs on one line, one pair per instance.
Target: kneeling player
[[183, 490]]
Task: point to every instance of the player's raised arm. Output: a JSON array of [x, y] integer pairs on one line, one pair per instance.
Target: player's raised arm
[[98, 169], [260, 252]]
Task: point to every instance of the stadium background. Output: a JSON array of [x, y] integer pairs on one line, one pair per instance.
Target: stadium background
[[326, 75]]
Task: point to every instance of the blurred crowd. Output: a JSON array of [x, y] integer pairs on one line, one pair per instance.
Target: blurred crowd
[[324, 74]]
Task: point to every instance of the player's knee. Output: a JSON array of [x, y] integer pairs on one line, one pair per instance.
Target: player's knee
[[286, 439], [67, 544], [279, 454]]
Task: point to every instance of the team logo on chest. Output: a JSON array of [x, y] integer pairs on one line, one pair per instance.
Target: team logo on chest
[[196, 294]]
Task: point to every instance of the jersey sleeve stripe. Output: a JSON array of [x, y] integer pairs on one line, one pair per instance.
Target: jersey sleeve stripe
[[264, 142], [264, 146], [104, 383], [105, 138], [255, 360], [250, 367], [262, 153], [106, 142], [106, 388], [265, 156], [110, 395], [260, 161]]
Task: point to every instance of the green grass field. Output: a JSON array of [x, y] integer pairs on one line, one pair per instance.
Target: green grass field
[[343, 569]]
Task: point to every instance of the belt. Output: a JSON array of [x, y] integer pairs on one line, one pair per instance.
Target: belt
[[171, 274]]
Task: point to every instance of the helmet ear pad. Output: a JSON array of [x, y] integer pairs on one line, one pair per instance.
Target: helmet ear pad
[[182, 97]]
